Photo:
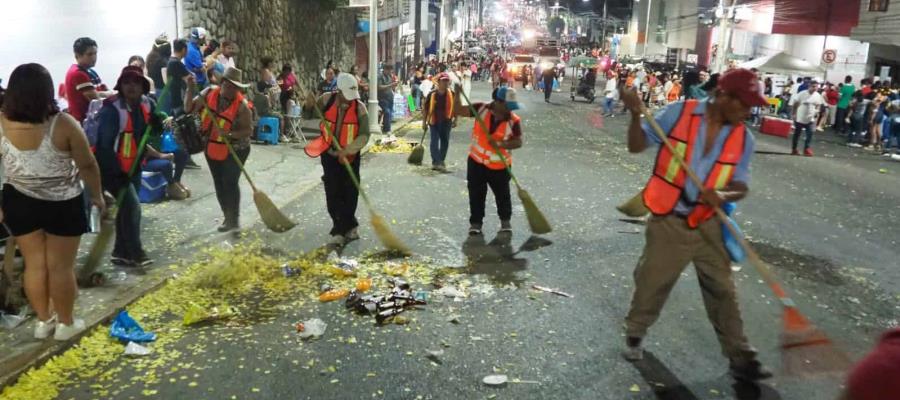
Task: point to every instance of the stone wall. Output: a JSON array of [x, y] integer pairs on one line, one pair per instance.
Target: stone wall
[[300, 32]]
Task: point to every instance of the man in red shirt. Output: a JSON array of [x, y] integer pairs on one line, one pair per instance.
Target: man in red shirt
[[82, 83], [831, 99]]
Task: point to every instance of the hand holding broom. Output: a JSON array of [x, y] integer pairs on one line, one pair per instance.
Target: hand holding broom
[[805, 349]]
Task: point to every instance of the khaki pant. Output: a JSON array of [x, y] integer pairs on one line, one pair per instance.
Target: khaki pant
[[671, 245]]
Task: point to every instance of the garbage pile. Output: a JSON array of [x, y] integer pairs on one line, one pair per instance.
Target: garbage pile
[[387, 306]]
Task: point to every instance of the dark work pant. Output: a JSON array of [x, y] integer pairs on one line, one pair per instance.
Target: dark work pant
[[479, 178], [226, 174], [128, 225], [839, 124], [548, 88], [341, 196], [440, 140], [798, 130], [387, 108]]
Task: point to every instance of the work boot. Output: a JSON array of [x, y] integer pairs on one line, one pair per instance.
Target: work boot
[[228, 226], [748, 370], [352, 235], [174, 192], [184, 188], [633, 350], [190, 164], [474, 229]]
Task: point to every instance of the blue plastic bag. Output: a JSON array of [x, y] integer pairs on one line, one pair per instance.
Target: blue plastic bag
[[735, 251], [126, 329], [168, 143]]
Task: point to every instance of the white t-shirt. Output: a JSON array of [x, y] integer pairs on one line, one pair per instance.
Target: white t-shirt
[[610, 90], [807, 105]]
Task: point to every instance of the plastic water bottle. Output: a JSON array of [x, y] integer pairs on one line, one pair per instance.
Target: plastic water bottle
[[95, 219]]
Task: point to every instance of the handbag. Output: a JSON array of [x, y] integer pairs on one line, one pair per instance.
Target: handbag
[[187, 133]]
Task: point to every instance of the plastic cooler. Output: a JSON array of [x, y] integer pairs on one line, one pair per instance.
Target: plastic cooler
[[776, 126], [153, 187]]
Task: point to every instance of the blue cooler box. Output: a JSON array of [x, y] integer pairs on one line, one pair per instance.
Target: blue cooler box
[[153, 187]]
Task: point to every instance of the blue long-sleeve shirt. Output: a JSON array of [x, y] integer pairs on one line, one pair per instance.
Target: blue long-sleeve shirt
[[194, 63], [111, 173]]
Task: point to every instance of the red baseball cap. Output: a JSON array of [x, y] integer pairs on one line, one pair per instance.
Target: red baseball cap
[[743, 84]]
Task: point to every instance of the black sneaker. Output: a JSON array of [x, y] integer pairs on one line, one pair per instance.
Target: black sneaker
[[227, 227], [143, 260], [474, 229], [121, 261], [751, 370], [190, 164]]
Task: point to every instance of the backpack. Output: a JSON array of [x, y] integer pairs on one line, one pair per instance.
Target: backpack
[[91, 122]]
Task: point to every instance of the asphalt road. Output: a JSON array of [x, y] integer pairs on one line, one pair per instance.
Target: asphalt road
[[827, 223]]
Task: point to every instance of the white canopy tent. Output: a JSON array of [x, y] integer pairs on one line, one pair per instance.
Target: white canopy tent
[[783, 63]]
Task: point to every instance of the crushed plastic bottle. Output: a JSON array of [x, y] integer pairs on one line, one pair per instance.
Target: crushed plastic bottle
[[313, 328]]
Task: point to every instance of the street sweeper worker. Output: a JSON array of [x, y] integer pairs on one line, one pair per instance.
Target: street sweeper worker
[[345, 118], [440, 119], [486, 168], [225, 115], [711, 135]]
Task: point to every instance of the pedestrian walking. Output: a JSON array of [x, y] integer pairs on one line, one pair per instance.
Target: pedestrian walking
[[386, 86], [683, 228], [805, 106], [611, 92], [345, 117], [44, 153], [440, 120], [485, 167], [548, 76], [123, 120], [225, 118]]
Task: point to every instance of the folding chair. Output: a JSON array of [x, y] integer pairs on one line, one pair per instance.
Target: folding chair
[[295, 129]]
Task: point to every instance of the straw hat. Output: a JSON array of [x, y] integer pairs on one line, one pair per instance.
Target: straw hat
[[235, 76]]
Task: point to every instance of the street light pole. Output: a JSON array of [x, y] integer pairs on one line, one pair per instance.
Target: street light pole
[[647, 35], [373, 67]]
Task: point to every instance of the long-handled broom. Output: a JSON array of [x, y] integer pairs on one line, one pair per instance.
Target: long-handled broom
[[274, 219], [536, 219], [805, 349], [418, 153], [379, 225]]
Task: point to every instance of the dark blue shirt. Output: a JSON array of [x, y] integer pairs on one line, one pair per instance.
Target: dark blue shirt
[[111, 173]]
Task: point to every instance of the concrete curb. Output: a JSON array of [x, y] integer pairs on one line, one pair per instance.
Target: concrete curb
[[15, 367]]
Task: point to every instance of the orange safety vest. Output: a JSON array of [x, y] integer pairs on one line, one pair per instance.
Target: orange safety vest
[[349, 129], [481, 149], [448, 107], [216, 125], [126, 143], [666, 186]]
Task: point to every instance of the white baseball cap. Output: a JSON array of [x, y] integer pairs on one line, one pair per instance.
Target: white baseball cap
[[348, 86]]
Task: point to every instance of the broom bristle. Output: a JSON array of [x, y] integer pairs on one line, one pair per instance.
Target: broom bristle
[[536, 219], [416, 155], [806, 350], [387, 238], [271, 215], [634, 207], [101, 243]]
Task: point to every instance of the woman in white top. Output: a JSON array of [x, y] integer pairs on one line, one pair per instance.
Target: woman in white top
[[44, 153]]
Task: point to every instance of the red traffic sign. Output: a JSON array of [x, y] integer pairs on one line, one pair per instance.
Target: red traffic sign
[[829, 56]]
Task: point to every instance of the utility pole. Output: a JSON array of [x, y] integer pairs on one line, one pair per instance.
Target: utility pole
[[725, 14], [647, 34], [373, 67], [418, 34], [603, 35]]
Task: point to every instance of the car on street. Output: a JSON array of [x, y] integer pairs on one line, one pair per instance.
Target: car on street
[[518, 63]]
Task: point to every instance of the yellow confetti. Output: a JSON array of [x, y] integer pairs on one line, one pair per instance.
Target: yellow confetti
[[192, 384], [635, 388]]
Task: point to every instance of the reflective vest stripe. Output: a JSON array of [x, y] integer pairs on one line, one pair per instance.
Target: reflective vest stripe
[[481, 149], [666, 186]]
